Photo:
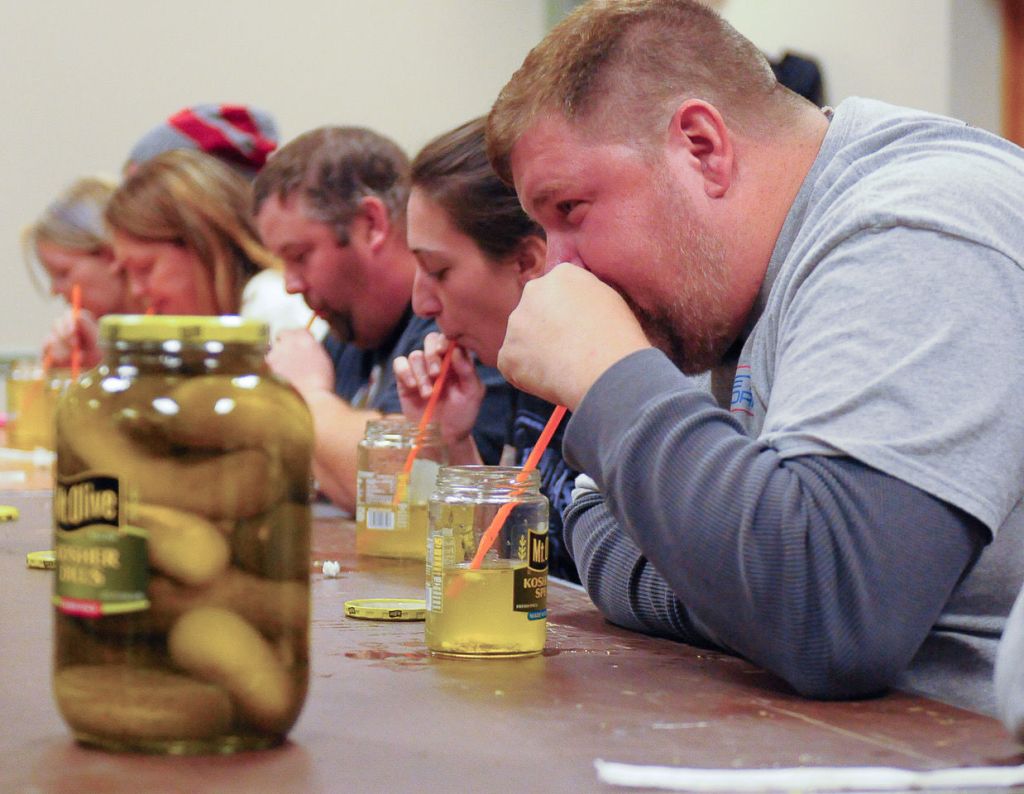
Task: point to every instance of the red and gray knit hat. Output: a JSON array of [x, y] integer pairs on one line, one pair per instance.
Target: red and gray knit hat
[[239, 135]]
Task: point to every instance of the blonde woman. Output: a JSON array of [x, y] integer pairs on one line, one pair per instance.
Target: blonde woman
[[71, 245]]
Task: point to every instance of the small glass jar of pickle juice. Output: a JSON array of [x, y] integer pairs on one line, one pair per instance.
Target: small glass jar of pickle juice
[[393, 485], [494, 605]]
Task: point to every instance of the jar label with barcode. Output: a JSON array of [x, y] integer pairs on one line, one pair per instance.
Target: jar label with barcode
[[438, 550], [375, 489], [380, 518]]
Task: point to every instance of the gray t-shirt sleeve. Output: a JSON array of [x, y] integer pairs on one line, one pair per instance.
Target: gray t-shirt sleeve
[[822, 570]]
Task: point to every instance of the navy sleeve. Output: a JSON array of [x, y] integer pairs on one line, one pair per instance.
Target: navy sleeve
[[492, 422], [531, 414], [822, 570], [348, 363]]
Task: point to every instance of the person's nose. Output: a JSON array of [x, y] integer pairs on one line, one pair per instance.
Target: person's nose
[[137, 286], [560, 248], [59, 286], [294, 284], [424, 299]]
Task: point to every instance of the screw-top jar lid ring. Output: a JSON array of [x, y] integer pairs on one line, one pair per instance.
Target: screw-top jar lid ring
[[185, 328]]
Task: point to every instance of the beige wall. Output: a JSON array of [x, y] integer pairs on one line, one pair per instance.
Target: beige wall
[[938, 55], [82, 80]]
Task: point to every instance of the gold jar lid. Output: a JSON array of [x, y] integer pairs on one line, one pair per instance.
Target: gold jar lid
[[387, 608], [43, 560], [190, 329]]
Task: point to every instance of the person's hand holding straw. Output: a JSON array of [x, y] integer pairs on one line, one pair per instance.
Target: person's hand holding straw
[[456, 409], [402, 484], [72, 329]]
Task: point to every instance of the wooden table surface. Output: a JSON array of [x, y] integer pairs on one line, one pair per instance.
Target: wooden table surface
[[383, 715]]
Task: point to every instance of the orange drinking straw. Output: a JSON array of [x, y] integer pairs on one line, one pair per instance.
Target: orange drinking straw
[[491, 533], [76, 345], [428, 411], [312, 319]]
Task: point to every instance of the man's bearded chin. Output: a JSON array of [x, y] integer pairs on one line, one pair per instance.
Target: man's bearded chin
[[692, 355], [341, 325], [670, 329]]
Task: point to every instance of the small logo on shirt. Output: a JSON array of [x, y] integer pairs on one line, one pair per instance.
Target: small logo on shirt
[[742, 395]]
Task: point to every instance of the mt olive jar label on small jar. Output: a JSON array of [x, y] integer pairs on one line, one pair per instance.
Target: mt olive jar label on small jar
[[102, 566], [530, 591]]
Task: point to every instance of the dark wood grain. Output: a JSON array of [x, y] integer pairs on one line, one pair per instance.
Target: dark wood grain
[[383, 715]]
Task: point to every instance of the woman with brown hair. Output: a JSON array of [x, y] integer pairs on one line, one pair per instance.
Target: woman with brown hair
[[183, 235], [475, 249]]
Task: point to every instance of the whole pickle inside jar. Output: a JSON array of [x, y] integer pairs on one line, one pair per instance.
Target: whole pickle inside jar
[[179, 628]]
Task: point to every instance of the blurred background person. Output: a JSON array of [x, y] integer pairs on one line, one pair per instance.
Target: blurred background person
[[182, 231], [239, 135], [331, 204], [182, 234], [69, 242], [475, 249]]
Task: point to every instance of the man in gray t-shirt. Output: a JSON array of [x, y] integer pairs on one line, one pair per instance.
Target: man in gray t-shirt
[[847, 512]]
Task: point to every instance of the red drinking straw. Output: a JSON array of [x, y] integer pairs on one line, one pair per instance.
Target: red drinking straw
[[489, 536], [421, 431]]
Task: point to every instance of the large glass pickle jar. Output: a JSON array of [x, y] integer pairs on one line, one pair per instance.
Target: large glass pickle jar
[[181, 531], [393, 485]]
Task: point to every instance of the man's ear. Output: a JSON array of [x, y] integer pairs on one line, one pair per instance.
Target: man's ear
[[530, 258], [372, 224], [699, 132]]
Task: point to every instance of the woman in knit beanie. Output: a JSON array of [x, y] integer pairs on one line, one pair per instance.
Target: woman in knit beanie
[[183, 235], [182, 231], [239, 135]]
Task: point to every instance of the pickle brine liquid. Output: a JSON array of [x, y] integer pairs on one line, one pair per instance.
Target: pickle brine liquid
[[477, 615]]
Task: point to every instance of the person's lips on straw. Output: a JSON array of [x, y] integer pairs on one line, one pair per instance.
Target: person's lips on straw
[[428, 411]]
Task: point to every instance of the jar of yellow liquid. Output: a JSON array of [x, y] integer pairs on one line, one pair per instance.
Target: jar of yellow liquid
[[393, 486], [182, 521], [497, 608], [32, 395]]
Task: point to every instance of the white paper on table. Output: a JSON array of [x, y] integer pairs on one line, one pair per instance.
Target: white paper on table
[[807, 779]]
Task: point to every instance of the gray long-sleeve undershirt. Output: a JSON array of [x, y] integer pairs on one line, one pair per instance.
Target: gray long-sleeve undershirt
[[825, 571]]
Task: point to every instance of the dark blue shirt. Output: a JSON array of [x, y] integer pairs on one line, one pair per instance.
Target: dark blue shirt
[[365, 379]]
